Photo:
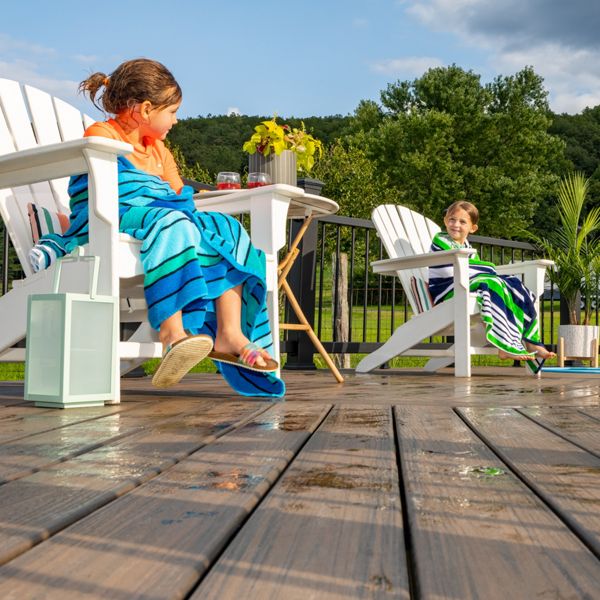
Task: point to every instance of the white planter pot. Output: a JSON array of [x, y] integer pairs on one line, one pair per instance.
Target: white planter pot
[[282, 168], [578, 341]]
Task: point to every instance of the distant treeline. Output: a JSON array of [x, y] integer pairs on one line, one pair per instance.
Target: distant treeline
[[215, 142], [428, 142]]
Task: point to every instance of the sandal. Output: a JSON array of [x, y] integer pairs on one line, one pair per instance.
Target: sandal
[[246, 360], [179, 358]]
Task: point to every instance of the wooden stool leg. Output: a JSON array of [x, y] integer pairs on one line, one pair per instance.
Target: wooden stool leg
[[284, 268], [286, 265], [309, 330], [561, 352]]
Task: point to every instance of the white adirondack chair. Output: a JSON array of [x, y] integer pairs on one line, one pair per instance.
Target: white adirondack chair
[[41, 145], [406, 236]]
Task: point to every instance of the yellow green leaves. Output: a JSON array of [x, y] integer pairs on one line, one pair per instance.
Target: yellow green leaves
[[271, 137]]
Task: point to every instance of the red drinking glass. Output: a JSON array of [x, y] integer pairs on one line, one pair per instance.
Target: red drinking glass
[[258, 179], [228, 180]]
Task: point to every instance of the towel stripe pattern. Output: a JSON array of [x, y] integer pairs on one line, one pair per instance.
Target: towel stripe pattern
[[189, 257], [506, 305]]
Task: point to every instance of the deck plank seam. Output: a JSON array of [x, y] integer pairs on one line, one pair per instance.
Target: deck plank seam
[[414, 587], [557, 432], [587, 414], [129, 485], [232, 536], [536, 490]]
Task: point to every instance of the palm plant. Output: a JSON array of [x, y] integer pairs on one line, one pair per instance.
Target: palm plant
[[574, 248]]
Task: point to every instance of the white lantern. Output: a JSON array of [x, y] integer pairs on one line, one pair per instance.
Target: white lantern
[[71, 344]]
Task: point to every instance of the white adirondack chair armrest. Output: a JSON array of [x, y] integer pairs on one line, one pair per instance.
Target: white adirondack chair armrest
[[390, 266], [53, 161], [524, 266], [533, 271]]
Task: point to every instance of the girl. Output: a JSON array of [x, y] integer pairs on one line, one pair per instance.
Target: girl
[[202, 275], [506, 305]]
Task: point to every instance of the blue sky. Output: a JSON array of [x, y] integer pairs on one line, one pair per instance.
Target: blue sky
[[312, 57]]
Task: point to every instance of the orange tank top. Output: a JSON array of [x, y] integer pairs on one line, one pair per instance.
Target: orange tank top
[[154, 157]]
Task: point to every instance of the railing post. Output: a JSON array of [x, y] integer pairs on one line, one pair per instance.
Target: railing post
[[302, 281], [565, 319]]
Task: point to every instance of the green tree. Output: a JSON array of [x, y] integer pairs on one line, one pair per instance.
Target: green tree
[[351, 179], [445, 136], [215, 142], [575, 248], [195, 172], [581, 134]]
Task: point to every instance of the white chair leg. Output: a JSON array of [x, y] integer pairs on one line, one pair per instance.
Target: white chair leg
[[405, 337], [462, 320], [433, 364]]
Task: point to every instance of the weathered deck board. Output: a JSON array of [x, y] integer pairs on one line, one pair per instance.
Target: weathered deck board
[[39, 451], [591, 411], [332, 526], [570, 423], [155, 541], [475, 533], [37, 506], [197, 488], [566, 477], [21, 421]]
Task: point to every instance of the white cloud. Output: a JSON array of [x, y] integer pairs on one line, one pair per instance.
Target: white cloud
[[571, 77], [35, 65], [410, 65], [26, 72], [559, 40], [10, 45], [360, 23], [233, 111]]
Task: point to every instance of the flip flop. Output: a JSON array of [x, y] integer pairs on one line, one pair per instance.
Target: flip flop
[[248, 361], [180, 357]]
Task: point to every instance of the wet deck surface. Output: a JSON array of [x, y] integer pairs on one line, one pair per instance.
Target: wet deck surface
[[391, 485]]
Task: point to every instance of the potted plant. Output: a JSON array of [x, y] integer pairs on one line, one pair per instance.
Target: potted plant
[[575, 250], [282, 151]]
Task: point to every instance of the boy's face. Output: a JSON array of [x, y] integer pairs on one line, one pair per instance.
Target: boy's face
[[459, 225]]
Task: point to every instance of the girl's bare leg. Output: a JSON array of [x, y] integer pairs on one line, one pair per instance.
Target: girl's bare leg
[[229, 324], [171, 330], [539, 351], [506, 355]]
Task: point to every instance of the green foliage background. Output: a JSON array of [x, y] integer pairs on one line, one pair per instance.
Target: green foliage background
[[428, 142]]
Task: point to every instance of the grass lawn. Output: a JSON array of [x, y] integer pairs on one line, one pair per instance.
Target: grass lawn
[[16, 371]]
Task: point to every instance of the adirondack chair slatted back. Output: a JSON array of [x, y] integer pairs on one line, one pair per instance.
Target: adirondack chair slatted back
[[404, 232], [29, 118]]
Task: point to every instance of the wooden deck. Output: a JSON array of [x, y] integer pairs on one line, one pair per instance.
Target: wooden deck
[[392, 485]]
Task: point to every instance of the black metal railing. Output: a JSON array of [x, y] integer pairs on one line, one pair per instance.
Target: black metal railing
[[376, 304]]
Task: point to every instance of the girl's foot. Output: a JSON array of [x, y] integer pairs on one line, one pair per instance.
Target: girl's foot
[[540, 351], [236, 344], [506, 355], [169, 338]]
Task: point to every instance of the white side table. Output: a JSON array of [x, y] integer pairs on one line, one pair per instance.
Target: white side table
[[269, 208]]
